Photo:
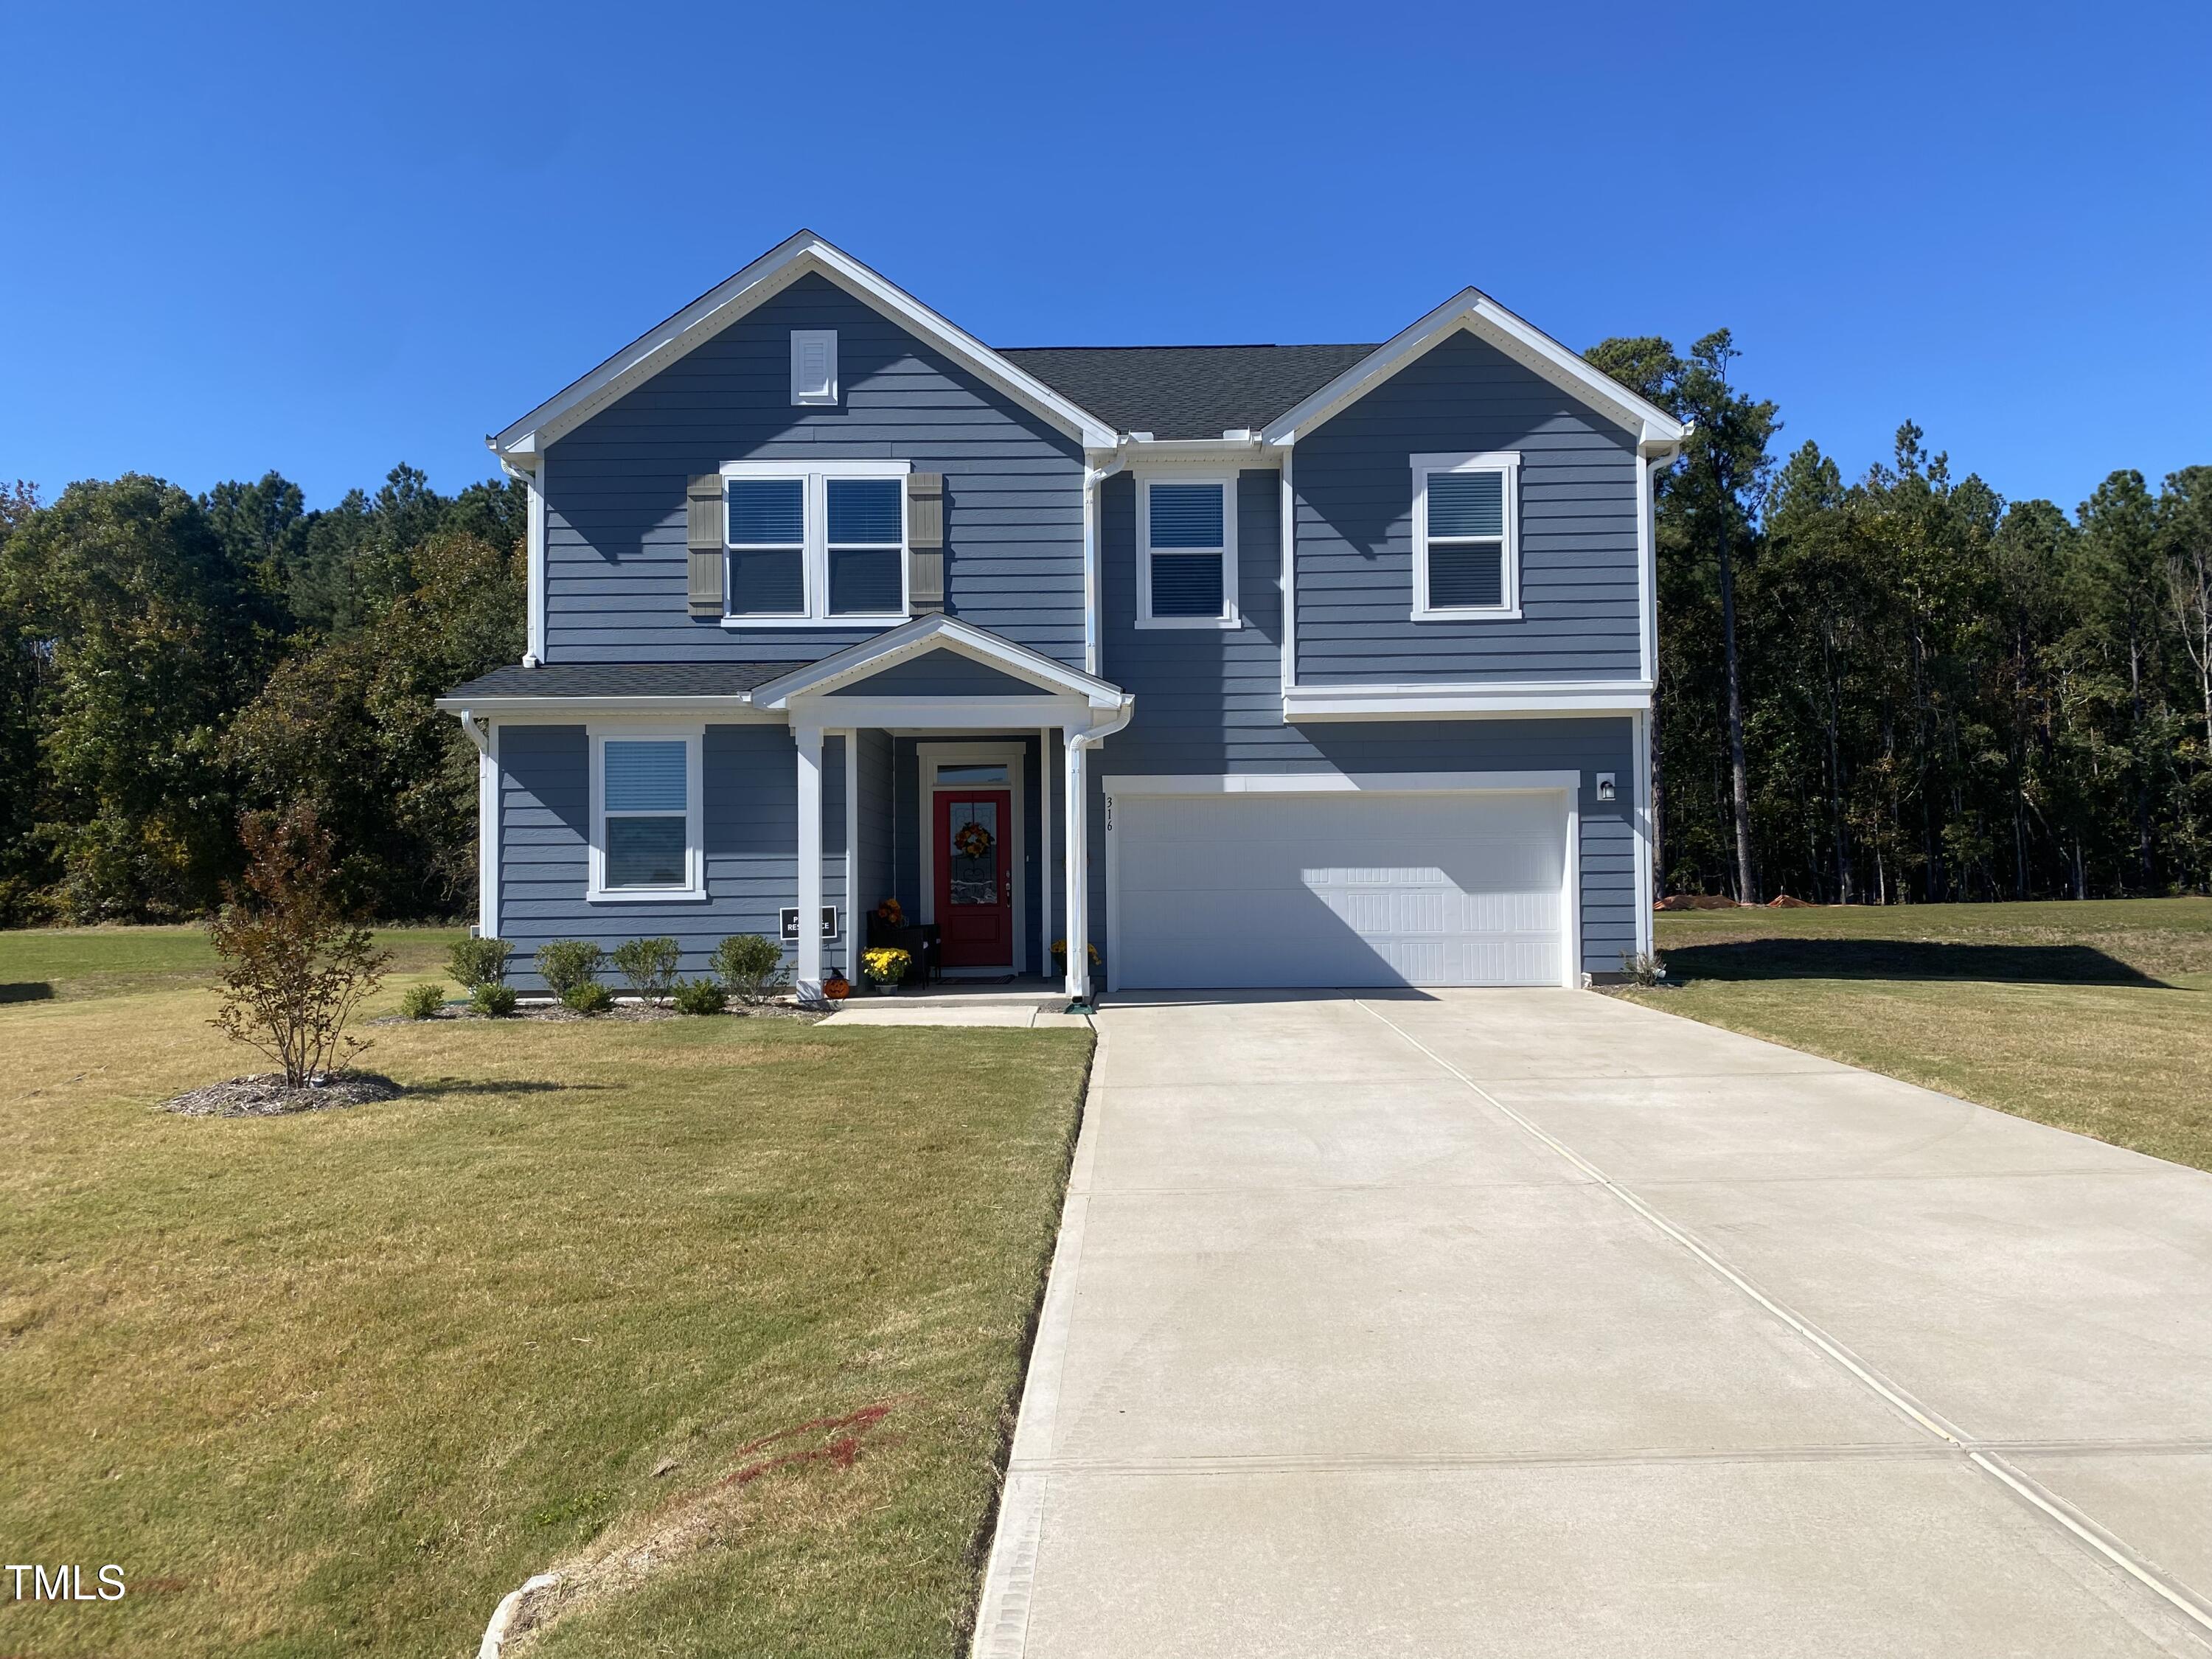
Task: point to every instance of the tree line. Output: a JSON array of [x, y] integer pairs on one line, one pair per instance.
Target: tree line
[[1894, 688], [173, 661], [1903, 688]]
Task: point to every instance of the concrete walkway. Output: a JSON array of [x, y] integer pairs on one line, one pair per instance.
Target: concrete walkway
[[1535, 1323]]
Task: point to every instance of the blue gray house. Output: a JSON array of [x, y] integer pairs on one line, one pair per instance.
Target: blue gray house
[[1242, 666]]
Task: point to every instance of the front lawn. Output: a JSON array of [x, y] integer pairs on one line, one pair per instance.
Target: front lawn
[[725, 1315], [2095, 1016]]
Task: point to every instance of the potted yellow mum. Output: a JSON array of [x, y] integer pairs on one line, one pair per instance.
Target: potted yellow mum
[[885, 967]]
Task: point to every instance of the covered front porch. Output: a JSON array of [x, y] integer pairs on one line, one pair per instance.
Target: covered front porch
[[965, 762]]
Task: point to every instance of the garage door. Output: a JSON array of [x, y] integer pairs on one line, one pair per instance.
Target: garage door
[[1354, 888]]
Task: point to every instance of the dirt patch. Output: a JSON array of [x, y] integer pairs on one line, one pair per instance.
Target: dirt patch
[[265, 1095]]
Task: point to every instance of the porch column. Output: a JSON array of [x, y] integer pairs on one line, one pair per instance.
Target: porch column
[[809, 741], [1044, 857], [1077, 931]]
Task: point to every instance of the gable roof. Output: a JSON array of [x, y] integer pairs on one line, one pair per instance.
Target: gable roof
[[1187, 392], [1519, 339], [759, 281], [932, 633]]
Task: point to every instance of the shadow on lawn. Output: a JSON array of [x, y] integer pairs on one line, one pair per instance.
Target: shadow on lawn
[[1854, 958], [33, 990], [453, 1085]]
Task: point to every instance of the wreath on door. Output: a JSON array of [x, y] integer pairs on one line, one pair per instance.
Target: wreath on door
[[972, 840]]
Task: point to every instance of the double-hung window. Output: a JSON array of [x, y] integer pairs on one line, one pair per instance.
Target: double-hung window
[[1467, 521], [817, 542], [1187, 556], [646, 815]]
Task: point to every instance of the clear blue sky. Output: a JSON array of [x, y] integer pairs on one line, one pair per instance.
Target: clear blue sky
[[327, 238]]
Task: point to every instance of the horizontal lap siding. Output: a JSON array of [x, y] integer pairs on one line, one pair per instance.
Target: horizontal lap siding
[[939, 674], [1578, 547], [615, 522], [750, 826], [879, 828], [1210, 702]]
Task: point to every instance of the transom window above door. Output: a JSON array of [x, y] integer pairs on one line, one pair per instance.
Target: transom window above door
[[1187, 552], [816, 542]]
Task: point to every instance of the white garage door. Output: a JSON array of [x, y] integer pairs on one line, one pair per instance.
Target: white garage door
[[1354, 888]]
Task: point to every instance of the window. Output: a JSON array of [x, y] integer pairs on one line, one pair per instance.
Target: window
[[814, 542], [867, 546], [814, 366], [645, 816], [1466, 533], [1187, 566], [768, 547]]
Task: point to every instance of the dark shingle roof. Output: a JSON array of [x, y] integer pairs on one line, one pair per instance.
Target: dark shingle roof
[[642, 679], [1187, 392]]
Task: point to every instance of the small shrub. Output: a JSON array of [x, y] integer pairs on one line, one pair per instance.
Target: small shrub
[[476, 962], [749, 965], [589, 998], [295, 965], [1643, 967], [494, 1000], [701, 996], [422, 1001], [565, 963], [649, 965]]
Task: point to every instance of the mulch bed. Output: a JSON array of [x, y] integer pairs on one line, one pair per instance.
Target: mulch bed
[[265, 1096], [636, 1013]]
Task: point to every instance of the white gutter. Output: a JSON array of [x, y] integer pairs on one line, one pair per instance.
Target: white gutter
[[1092, 477]]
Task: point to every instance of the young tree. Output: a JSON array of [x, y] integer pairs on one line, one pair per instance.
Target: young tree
[[296, 964]]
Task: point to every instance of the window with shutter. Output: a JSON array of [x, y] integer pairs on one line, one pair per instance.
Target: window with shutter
[[811, 542], [1466, 515], [1187, 564]]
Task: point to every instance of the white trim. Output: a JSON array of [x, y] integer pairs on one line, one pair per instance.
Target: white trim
[[1288, 510], [1076, 928], [1229, 615], [596, 891], [924, 634], [814, 477], [1334, 782], [1566, 785], [804, 392], [929, 757], [536, 576], [1495, 699], [1506, 461], [759, 281], [1484, 317], [488, 834], [1640, 773], [1647, 569]]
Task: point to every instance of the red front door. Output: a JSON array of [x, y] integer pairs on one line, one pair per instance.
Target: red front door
[[974, 877]]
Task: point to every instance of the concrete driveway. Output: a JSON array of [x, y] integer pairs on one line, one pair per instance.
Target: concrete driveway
[[1537, 1323]]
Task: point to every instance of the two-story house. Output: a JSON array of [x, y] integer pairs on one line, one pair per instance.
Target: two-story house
[[1248, 666]]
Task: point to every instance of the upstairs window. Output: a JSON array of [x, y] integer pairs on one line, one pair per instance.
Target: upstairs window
[[645, 819], [1186, 558], [810, 543], [1466, 535], [867, 546], [768, 547]]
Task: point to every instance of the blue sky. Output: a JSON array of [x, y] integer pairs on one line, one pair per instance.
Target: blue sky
[[325, 239]]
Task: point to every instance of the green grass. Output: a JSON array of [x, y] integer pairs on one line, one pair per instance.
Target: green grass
[[69, 964], [2095, 1017], [332, 1384]]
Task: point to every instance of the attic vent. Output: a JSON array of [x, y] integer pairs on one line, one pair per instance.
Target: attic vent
[[814, 366]]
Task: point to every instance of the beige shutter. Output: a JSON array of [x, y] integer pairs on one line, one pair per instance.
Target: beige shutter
[[703, 530], [925, 540]]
